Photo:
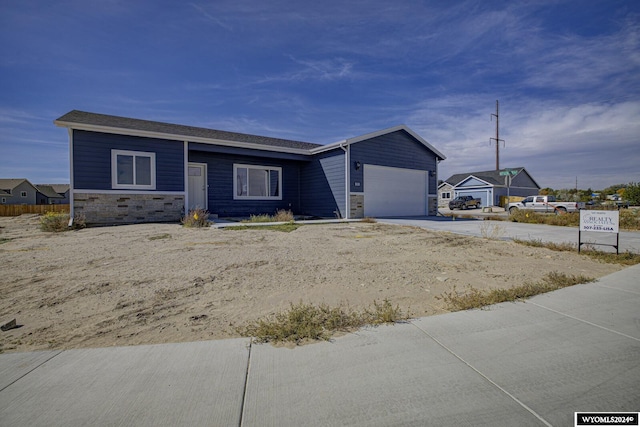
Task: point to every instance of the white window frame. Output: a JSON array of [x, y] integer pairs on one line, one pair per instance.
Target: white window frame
[[134, 154], [270, 168]]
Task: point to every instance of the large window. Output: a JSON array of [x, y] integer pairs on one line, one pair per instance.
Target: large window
[[133, 170], [257, 182]]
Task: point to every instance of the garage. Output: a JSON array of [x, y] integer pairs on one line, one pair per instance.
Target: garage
[[483, 195], [392, 191]]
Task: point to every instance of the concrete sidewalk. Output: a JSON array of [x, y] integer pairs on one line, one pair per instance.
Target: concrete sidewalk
[[527, 364]]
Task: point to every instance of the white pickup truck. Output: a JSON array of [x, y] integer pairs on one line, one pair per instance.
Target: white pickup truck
[[545, 204]]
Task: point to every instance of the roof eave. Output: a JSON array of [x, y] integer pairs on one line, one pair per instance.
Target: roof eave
[[375, 134], [177, 137]]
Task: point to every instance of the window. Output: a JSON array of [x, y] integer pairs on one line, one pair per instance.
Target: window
[[133, 170], [23, 194], [446, 195], [257, 182], [4, 200]]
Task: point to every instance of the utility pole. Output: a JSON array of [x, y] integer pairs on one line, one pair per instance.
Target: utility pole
[[497, 138]]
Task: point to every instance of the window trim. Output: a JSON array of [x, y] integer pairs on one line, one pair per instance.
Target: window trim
[[24, 194], [237, 166], [134, 154]]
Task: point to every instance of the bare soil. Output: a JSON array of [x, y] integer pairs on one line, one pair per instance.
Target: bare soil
[[160, 283]]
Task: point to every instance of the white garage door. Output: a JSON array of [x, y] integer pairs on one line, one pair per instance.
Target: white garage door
[[394, 191]]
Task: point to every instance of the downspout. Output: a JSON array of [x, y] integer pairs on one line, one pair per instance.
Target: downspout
[[346, 180], [186, 179], [71, 210]]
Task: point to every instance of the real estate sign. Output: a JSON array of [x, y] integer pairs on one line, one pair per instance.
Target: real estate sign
[[600, 221]]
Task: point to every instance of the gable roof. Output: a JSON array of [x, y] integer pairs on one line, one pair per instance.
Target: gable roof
[[491, 177], [48, 191], [8, 184], [82, 120], [367, 136], [58, 188]]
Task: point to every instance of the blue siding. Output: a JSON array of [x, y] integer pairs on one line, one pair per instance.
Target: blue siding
[[220, 179], [323, 185], [397, 149], [209, 148], [92, 159], [473, 183], [523, 180]]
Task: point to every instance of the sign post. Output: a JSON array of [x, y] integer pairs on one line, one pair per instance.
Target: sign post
[[599, 222], [509, 173]]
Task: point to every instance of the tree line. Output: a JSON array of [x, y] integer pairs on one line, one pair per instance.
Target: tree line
[[629, 192]]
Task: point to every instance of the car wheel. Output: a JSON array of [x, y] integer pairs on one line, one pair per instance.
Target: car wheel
[[561, 211]]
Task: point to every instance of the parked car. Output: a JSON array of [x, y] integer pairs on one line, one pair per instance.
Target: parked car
[[547, 204], [464, 202]]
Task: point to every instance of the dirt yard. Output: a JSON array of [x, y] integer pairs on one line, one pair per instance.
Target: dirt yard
[[160, 283]]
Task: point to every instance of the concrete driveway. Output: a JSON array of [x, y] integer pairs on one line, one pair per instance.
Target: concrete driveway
[[629, 240]]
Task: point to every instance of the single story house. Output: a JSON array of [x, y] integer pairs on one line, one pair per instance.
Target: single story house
[[126, 170], [491, 186], [17, 191]]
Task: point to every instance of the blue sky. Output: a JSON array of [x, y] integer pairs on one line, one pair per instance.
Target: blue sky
[[566, 73]]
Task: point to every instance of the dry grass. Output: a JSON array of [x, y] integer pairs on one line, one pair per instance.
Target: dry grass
[[625, 258], [476, 298], [304, 322], [629, 218], [281, 215]]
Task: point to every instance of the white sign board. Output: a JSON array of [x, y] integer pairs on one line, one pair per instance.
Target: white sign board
[[601, 221]]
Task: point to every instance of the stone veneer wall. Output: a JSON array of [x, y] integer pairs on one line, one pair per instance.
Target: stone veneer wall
[[357, 206], [128, 208]]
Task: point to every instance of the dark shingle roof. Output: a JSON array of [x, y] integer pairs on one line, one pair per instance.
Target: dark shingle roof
[[492, 177], [48, 191], [93, 119]]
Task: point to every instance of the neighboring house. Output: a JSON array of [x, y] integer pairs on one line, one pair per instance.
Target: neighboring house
[[445, 194], [46, 195], [490, 186], [62, 190], [127, 170], [17, 192]]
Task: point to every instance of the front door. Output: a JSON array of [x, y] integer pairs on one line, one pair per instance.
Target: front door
[[197, 186]]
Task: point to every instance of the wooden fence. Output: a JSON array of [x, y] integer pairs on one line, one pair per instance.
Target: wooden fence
[[16, 210]]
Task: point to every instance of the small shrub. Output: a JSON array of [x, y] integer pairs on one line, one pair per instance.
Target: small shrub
[[283, 215], [57, 222], [369, 220], [196, 218], [491, 231]]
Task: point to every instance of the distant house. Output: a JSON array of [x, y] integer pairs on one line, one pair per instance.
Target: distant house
[[59, 193], [491, 186], [126, 170], [445, 194], [18, 191], [46, 195]]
